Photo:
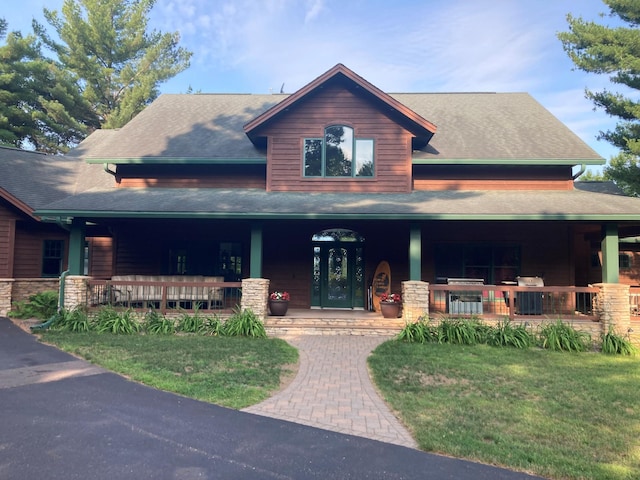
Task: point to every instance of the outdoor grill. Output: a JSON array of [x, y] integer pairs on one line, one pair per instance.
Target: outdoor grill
[[465, 302], [529, 303]]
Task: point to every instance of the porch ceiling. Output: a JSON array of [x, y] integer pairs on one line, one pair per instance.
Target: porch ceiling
[[579, 204]]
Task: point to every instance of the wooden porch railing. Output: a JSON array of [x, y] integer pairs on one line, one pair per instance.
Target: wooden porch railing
[[512, 301], [163, 296]]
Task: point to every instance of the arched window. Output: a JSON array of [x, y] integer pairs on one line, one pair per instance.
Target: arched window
[[338, 154]]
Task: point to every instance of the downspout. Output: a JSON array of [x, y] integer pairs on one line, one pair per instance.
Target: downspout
[[583, 168], [48, 323]]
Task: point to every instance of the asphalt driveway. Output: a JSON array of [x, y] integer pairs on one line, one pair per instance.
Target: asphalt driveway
[[64, 419]]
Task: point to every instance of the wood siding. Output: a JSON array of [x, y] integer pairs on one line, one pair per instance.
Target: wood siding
[[29, 247], [7, 241], [100, 257], [472, 177], [192, 176], [332, 106]]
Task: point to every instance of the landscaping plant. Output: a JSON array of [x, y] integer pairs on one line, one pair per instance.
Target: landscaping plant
[[158, 324], [560, 336], [109, 320], [43, 306], [244, 323], [614, 344]]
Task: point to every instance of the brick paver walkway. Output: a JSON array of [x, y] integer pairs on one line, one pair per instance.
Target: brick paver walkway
[[333, 390]]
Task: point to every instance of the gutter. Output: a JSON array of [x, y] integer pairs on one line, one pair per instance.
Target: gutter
[[583, 168], [48, 323]]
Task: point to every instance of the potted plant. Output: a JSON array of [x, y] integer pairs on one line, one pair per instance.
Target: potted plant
[[390, 305], [279, 303]]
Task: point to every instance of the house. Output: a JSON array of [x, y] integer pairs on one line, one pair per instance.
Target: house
[[314, 189]]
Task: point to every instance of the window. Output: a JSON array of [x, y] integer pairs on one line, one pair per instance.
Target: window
[[493, 263], [52, 256], [624, 261], [338, 154]]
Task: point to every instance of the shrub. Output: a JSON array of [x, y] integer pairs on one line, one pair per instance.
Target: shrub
[[614, 344], [244, 323], [75, 320], [562, 337], [506, 335], [43, 306], [191, 323], [158, 324], [212, 326], [461, 332], [109, 320], [417, 332]]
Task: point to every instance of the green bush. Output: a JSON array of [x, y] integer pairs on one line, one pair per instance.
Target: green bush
[[43, 306], [212, 326], [109, 320], [560, 336], [191, 323], [417, 332], [158, 324], [457, 331], [75, 320], [506, 335], [244, 323], [614, 344]]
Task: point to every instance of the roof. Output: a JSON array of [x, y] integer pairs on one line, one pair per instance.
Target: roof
[[473, 127], [416, 124], [579, 204], [30, 180]]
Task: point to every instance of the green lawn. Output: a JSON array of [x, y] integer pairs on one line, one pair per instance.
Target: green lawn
[[559, 415], [231, 371]]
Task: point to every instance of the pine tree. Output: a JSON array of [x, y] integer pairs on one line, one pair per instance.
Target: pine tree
[[41, 105], [107, 45], [614, 51]]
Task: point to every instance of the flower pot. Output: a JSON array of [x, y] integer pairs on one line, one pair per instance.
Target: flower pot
[[390, 309], [278, 308]]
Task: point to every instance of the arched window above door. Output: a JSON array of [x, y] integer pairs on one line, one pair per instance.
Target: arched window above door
[[337, 235]]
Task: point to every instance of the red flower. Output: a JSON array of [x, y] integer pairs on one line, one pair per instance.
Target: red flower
[[279, 296], [390, 298]]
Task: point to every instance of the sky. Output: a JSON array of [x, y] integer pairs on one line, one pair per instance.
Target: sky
[[257, 46]]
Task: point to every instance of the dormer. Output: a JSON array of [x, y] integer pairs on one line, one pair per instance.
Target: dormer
[[339, 133]]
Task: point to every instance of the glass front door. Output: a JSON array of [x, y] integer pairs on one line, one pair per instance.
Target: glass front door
[[338, 273]]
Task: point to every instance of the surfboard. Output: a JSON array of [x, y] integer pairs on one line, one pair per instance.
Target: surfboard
[[381, 283]]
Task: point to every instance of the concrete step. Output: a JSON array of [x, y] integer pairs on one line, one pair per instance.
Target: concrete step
[[329, 325]]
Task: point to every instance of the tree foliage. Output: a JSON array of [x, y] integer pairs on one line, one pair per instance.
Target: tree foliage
[[107, 45], [614, 51], [40, 102]]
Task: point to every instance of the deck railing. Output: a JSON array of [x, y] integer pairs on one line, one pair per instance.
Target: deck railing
[[512, 301], [165, 296]]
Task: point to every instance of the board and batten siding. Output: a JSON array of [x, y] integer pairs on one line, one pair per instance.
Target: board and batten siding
[[337, 106]]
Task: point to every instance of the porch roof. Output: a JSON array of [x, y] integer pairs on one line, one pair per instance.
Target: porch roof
[[588, 201]]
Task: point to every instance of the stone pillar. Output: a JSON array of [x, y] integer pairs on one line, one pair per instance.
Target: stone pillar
[[611, 305], [255, 293], [75, 291], [415, 300], [6, 290]]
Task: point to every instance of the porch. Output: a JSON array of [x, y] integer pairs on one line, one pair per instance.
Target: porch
[[490, 303]]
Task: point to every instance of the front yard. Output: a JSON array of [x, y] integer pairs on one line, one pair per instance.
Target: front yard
[[559, 415]]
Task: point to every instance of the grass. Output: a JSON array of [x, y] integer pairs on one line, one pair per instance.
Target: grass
[[231, 371], [558, 415]]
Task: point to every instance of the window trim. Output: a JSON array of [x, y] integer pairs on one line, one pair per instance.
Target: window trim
[[45, 257], [323, 155]]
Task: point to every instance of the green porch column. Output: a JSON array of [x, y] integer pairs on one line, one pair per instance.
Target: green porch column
[[255, 261], [76, 246], [610, 265], [415, 253]]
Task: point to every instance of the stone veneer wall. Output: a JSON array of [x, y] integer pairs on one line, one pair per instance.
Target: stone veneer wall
[[6, 287], [255, 294], [18, 290], [611, 305], [75, 291], [415, 300]]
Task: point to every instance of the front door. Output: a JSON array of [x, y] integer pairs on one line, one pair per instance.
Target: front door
[[338, 273]]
